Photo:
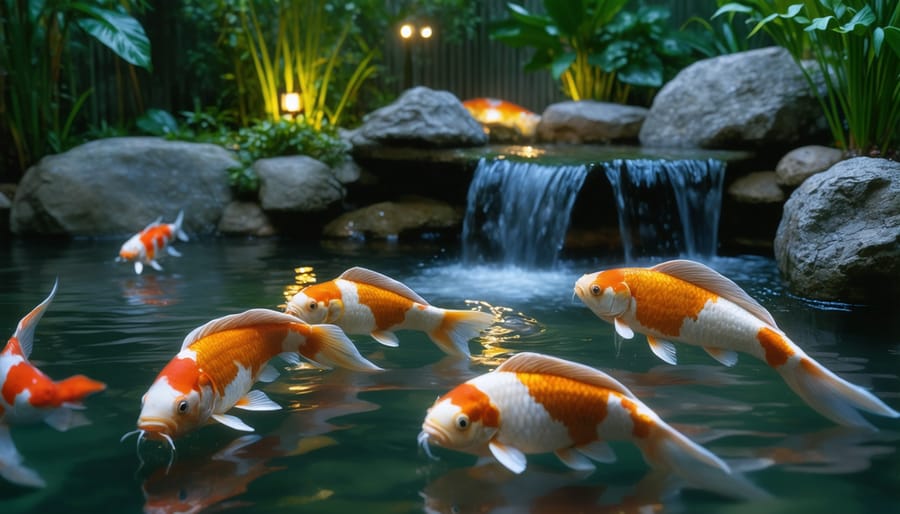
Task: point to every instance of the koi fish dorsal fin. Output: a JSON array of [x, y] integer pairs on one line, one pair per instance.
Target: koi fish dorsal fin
[[25, 329], [528, 362], [240, 320], [703, 276], [373, 278]]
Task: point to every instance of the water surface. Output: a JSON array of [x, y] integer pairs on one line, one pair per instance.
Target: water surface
[[346, 442]]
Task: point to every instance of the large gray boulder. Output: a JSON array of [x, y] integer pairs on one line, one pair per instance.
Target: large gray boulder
[[588, 121], [839, 237], [297, 183], [389, 220], [420, 117], [117, 186], [757, 99]]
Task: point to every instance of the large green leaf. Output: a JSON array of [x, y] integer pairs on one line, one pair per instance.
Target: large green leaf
[[123, 34], [561, 63], [568, 15], [892, 36]]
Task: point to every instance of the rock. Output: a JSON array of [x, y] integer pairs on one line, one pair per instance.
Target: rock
[[347, 172], [245, 218], [420, 117], [5, 205], [117, 186], [297, 183], [839, 237], [757, 99], [395, 219], [757, 187], [588, 121], [801, 163]]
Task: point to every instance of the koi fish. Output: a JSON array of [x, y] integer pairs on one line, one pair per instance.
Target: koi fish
[[28, 396], [143, 247], [362, 301], [492, 111], [534, 403], [688, 302], [220, 361]]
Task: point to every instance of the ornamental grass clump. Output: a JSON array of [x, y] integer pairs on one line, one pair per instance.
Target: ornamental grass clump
[[855, 45]]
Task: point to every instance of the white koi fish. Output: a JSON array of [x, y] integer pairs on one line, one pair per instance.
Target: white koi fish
[[144, 247], [688, 302], [361, 301]]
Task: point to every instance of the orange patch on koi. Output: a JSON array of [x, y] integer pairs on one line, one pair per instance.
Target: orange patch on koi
[[578, 406], [682, 300], [475, 404], [778, 350], [642, 423], [221, 351], [388, 308], [181, 374]]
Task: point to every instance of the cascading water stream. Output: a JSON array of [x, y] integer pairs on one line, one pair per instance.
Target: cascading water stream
[[518, 212]]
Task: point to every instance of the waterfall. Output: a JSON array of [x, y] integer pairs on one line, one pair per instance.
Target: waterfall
[[667, 208], [518, 212]]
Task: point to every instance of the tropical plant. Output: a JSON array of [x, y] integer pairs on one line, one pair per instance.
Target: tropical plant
[[37, 105], [595, 48], [855, 45]]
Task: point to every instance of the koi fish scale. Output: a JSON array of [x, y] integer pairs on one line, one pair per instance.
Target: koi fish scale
[[684, 301], [222, 357]]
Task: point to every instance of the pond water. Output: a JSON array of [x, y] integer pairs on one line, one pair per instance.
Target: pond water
[[346, 442]]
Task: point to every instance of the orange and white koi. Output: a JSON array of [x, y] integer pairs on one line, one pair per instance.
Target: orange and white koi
[[535, 403], [220, 361], [145, 246], [27, 395], [362, 301], [688, 302], [493, 111]]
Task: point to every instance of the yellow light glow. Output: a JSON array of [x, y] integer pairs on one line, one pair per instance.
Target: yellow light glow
[[491, 115], [425, 32], [406, 31], [290, 102]]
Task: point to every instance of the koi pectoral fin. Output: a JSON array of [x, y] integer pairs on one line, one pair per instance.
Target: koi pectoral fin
[[599, 451], [155, 265], [138, 267], [232, 422], [386, 338], [511, 458], [575, 460], [665, 350], [173, 252], [623, 329], [257, 400], [726, 357]]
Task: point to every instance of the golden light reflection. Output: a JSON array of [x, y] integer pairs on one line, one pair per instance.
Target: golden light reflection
[[528, 152], [508, 326], [303, 276]]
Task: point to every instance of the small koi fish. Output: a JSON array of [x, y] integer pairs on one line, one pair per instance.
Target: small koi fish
[[688, 302], [362, 301], [28, 396], [220, 361], [493, 111], [535, 403], [144, 247]]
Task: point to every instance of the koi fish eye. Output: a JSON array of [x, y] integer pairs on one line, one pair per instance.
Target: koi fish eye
[[462, 422], [312, 305], [595, 290], [183, 406]]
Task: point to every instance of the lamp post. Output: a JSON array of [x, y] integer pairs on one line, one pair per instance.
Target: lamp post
[[408, 34]]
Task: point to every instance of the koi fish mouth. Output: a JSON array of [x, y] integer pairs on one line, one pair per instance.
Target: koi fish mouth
[[155, 428], [432, 432]]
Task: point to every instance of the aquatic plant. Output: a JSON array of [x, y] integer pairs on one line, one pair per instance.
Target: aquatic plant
[[855, 47], [38, 106]]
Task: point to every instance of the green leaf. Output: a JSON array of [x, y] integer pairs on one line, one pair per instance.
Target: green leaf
[[561, 63], [820, 23], [733, 8], [568, 15], [521, 15], [859, 22], [792, 11], [892, 36], [123, 34]]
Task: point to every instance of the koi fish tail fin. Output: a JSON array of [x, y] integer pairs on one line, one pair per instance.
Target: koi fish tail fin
[[179, 232], [328, 345], [456, 329], [24, 333], [832, 396], [670, 450], [74, 389], [11, 467]]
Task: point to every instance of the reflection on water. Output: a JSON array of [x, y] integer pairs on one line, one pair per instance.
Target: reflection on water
[[346, 442]]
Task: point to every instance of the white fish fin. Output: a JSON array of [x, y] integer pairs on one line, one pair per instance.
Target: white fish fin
[[703, 276], [726, 357], [528, 362], [268, 374], [232, 422], [373, 278], [230, 452], [457, 327], [623, 329], [63, 419], [386, 337], [176, 225], [240, 320], [334, 348], [155, 265], [257, 400], [511, 458], [831, 395], [11, 467], [575, 460], [291, 358], [663, 349], [138, 267], [599, 451], [173, 252], [25, 329]]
